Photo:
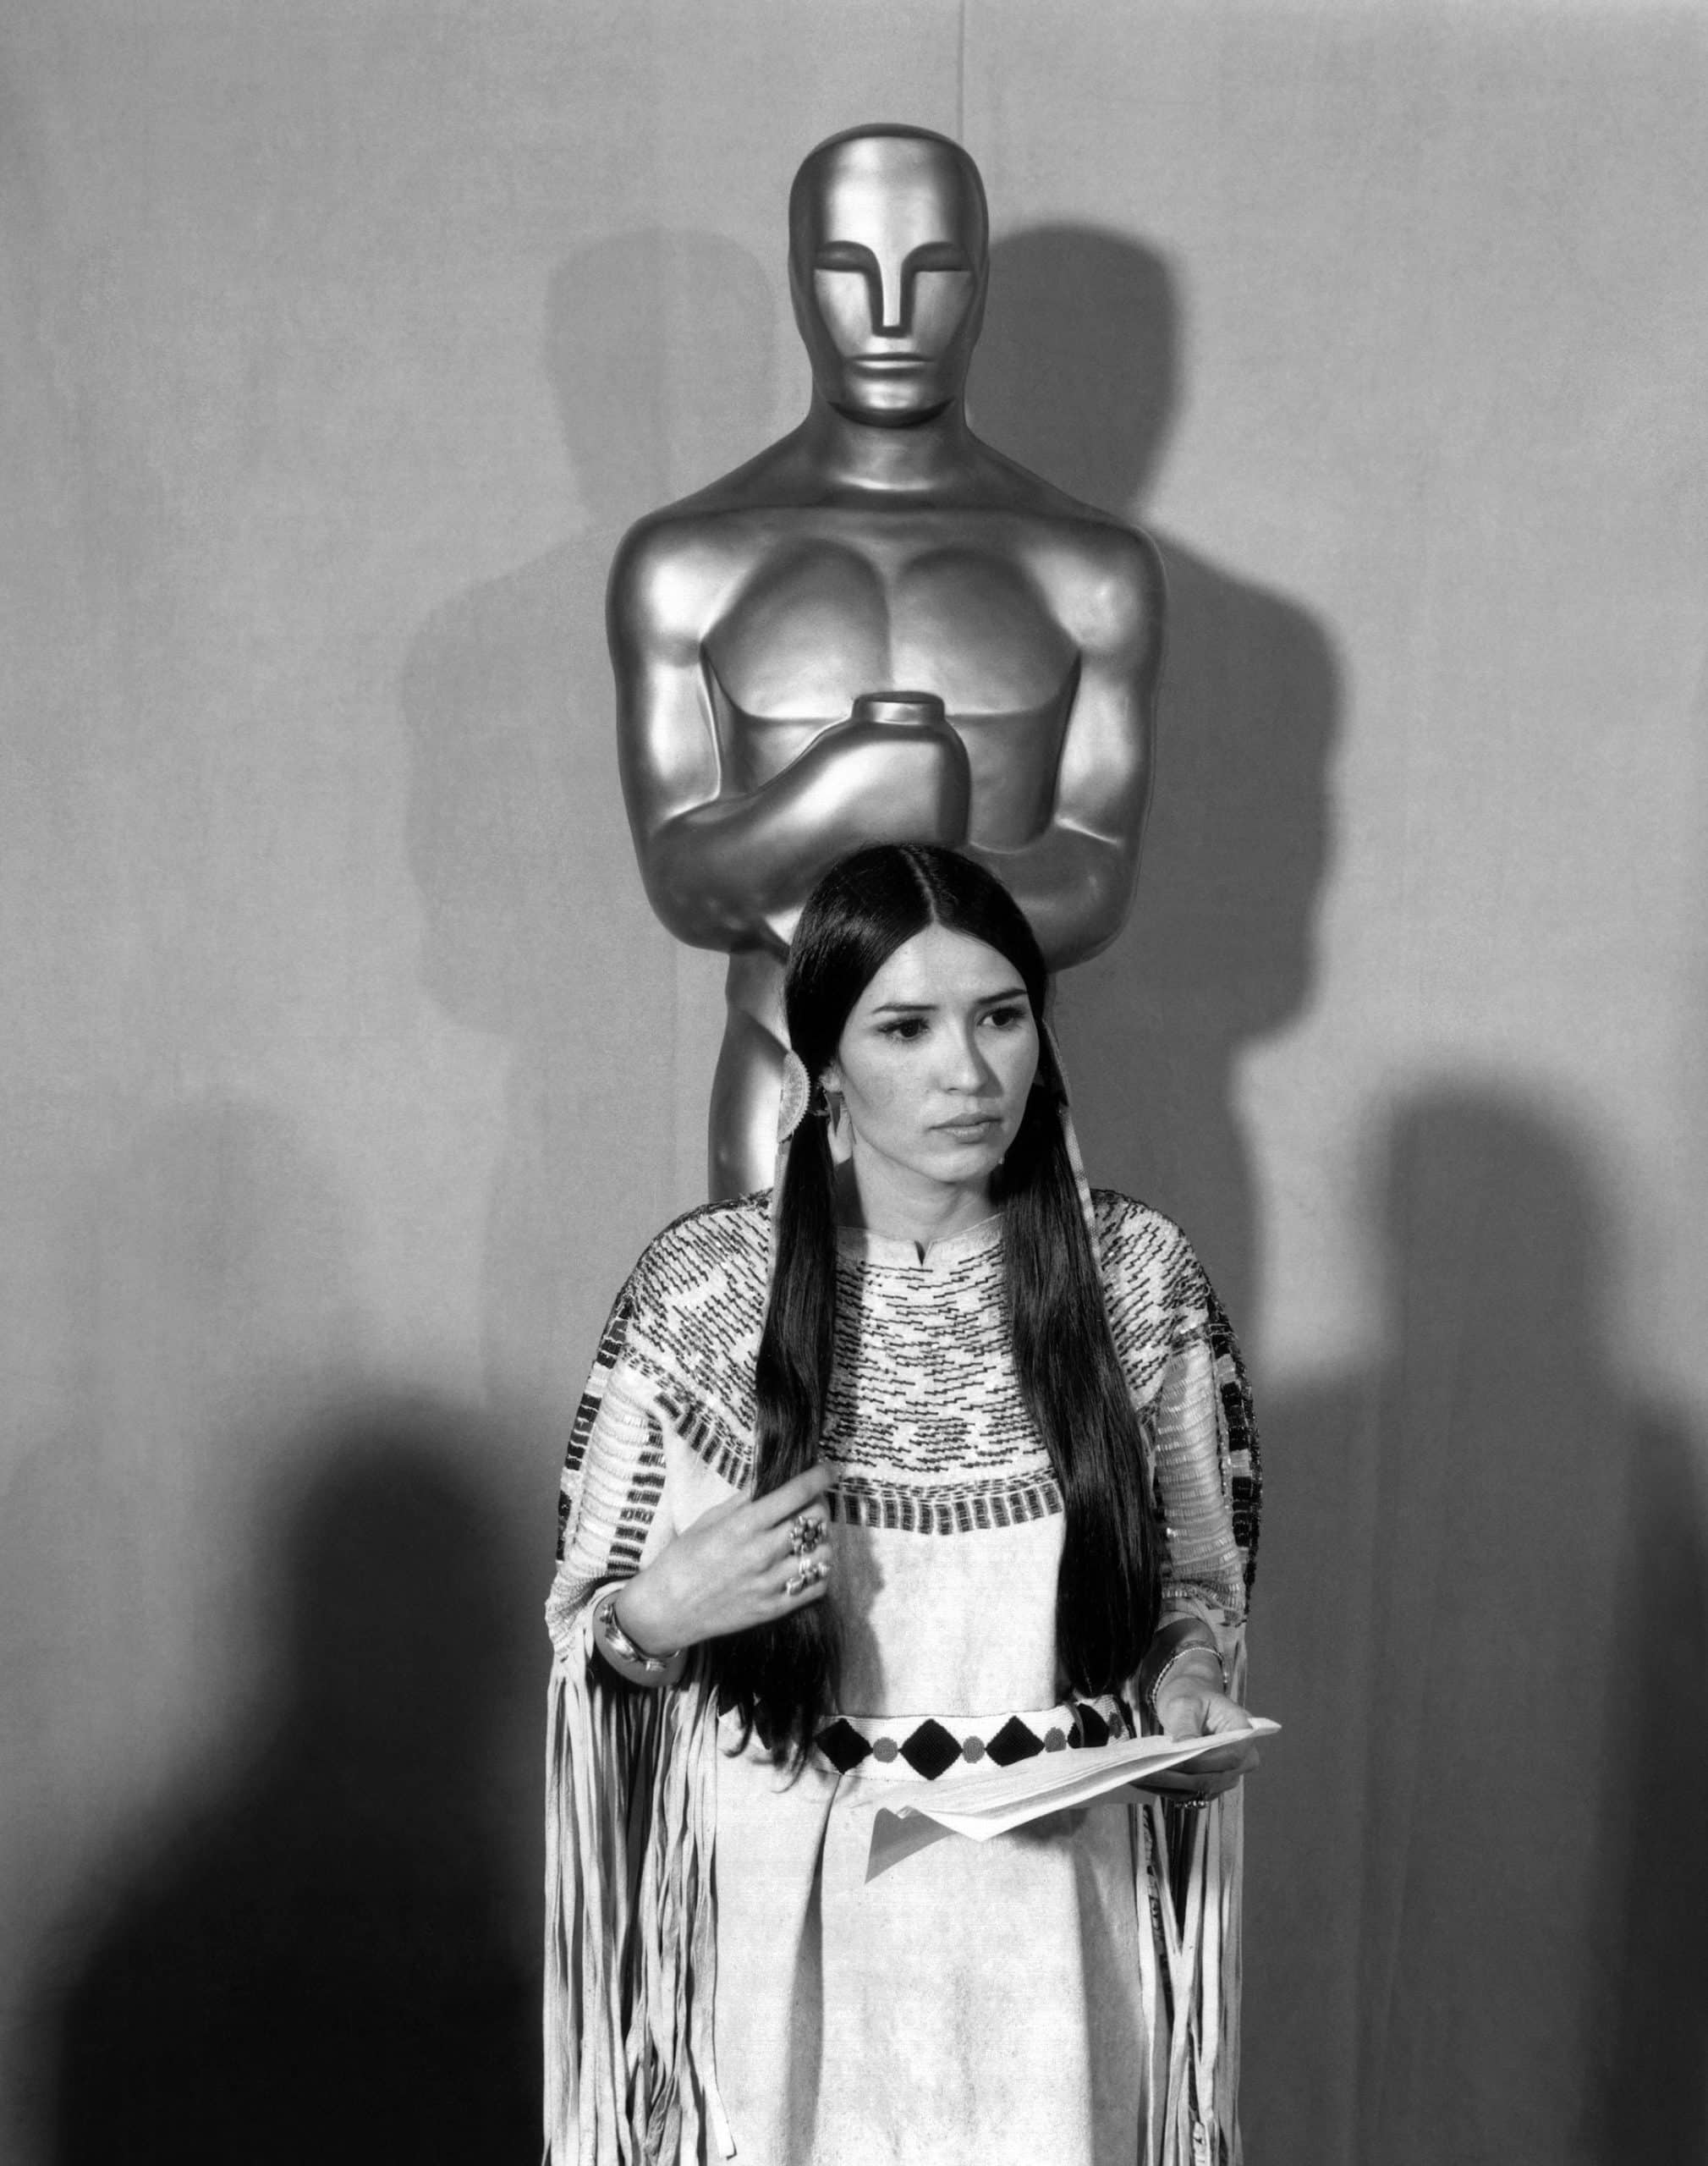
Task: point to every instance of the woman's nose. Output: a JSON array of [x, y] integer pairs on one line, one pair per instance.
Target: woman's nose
[[965, 1068]]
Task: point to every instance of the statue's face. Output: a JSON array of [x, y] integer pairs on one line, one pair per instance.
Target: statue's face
[[887, 266]]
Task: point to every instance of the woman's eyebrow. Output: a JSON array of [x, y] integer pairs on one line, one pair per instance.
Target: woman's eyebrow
[[930, 1006]]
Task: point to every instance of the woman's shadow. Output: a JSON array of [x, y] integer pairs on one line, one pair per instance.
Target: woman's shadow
[[329, 1956], [1077, 377], [1478, 1898]]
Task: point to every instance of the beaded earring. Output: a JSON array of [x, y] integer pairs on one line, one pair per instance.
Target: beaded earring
[[794, 1097]]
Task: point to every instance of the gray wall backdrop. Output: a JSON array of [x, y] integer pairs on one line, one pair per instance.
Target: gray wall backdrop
[[344, 1070]]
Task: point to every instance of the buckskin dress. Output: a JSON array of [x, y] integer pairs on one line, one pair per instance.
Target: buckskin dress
[[722, 1979]]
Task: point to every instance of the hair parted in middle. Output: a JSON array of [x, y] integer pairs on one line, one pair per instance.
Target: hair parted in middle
[[781, 1677]]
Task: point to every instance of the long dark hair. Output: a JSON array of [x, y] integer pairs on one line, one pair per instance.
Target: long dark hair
[[781, 1677]]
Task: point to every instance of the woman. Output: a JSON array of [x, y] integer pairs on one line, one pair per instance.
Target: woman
[[931, 1461]]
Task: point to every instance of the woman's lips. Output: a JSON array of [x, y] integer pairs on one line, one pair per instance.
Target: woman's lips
[[969, 1128]]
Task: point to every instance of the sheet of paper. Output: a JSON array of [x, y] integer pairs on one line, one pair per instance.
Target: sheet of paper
[[915, 1815]]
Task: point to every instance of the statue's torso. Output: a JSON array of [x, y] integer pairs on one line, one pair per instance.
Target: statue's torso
[[823, 604]]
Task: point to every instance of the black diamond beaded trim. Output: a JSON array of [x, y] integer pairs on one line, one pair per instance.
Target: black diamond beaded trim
[[930, 1749]]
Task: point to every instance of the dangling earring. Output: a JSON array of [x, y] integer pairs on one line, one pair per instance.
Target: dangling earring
[[840, 1130]]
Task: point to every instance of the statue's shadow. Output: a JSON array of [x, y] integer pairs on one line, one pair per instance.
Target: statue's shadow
[[657, 348], [1477, 1902], [1076, 376]]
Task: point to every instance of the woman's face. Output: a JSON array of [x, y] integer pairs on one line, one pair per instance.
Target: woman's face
[[934, 1064]]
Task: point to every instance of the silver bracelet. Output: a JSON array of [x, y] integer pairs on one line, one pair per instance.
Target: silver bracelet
[[1153, 1685], [624, 1655]]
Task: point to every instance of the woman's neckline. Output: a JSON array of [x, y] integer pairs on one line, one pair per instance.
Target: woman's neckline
[[895, 1252]]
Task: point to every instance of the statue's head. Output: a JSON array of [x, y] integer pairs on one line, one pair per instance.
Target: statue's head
[[889, 243]]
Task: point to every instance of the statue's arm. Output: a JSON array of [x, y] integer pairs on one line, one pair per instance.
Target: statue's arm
[[1075, 881], [731, 871]]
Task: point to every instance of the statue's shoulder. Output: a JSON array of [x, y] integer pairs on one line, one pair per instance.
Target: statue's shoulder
[[1082, 536], [685, 554], [1088, 529], [772, 478], [678, 541], [671, 571]]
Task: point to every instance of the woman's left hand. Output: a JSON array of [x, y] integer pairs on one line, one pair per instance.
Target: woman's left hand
[[1187, 1706]]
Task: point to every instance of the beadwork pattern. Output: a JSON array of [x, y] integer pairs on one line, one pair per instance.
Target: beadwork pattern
[[932, 1746], [925, 1427]]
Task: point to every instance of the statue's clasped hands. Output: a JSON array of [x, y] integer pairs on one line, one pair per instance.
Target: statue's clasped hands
[[907, 766]]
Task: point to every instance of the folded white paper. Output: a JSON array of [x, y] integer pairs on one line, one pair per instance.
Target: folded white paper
[[979, 1806]]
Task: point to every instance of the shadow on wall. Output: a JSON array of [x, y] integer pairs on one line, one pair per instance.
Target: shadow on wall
[[1076, 377], [202, 1271], [657, 350], [270, 1704], [332, 1957], [1478, 1891]]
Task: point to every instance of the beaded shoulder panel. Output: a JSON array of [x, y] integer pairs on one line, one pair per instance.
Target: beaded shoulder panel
[[686, 1325], [1166, 1322], [925, 1426]]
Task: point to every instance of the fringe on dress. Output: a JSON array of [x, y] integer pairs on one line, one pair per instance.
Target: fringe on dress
[[1188, 1896], [631, 1947]]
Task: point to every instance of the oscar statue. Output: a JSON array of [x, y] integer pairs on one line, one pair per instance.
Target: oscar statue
[[878, 629]]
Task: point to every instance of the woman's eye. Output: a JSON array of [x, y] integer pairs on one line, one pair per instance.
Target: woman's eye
[[1005, 1018], [906, 1028]]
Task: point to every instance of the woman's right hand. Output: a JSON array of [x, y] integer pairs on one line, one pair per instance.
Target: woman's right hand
[[731, 1570]]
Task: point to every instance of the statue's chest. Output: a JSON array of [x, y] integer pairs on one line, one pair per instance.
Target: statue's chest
[[820, 621]]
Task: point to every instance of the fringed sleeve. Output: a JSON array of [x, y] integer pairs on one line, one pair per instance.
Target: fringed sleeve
[[1205, 1472], [1189, 1382], [630, 1786]]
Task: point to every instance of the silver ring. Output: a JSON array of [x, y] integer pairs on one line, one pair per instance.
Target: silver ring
[[805, 1535], [811, 1573]]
